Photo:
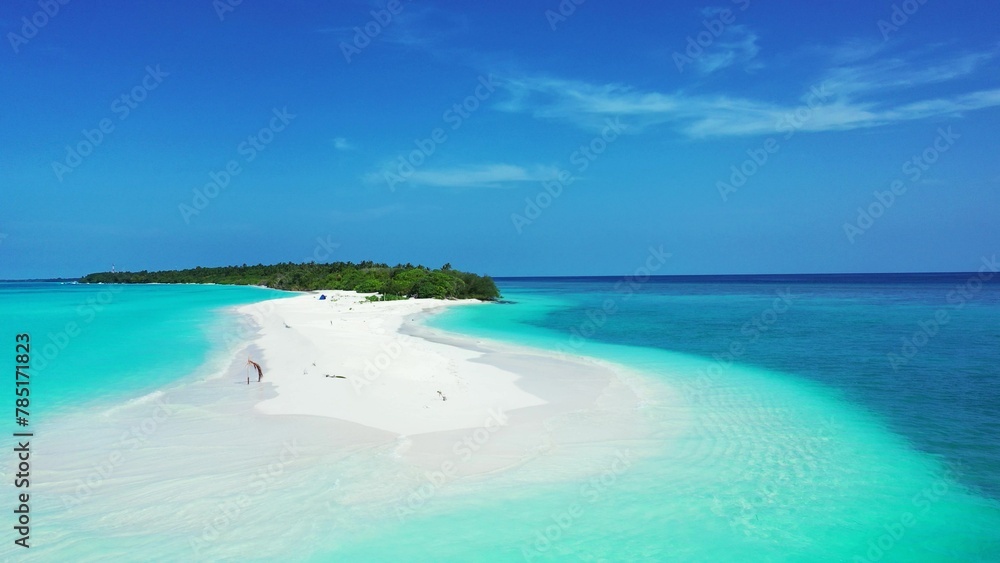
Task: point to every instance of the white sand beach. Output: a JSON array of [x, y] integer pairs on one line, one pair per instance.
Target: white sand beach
[[391, 381], [212, 460], [423, 386]]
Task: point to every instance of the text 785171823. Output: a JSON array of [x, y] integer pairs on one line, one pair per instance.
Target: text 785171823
[[22, 359]]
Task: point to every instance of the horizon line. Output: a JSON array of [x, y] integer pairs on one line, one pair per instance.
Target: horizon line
[[616, 276]]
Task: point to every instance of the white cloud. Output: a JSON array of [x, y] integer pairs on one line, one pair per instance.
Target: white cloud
[[341, 144], [720, 45], [849, 51], [855, 96], [482, 176], [897, 73], [742, 52], [473, 176], [736, 46], [418, 26]]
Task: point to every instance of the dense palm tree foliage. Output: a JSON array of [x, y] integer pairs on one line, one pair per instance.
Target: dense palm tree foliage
[[366, 277]]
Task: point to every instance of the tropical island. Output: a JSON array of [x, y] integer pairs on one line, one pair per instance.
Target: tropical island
[[392, 282]]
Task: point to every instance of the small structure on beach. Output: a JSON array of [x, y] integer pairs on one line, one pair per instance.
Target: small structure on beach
[[260, 372]]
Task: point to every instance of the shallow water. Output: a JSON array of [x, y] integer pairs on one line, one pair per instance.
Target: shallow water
[[807, 447], [96, 343]]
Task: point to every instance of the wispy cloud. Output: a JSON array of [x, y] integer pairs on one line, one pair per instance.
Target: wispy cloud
[[848, 51], [897, 73], [475, 176], [855, 96], [736, 45], [483, 176], [415, 26], [426, 26], [341, 144]]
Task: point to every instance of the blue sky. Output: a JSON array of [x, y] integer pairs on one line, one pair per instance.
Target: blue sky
[[509, 138]]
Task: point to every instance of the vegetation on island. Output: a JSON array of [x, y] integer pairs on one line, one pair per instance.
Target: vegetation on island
[[399, 281]]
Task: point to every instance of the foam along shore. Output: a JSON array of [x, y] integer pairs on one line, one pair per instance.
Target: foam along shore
[[374, 364]]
